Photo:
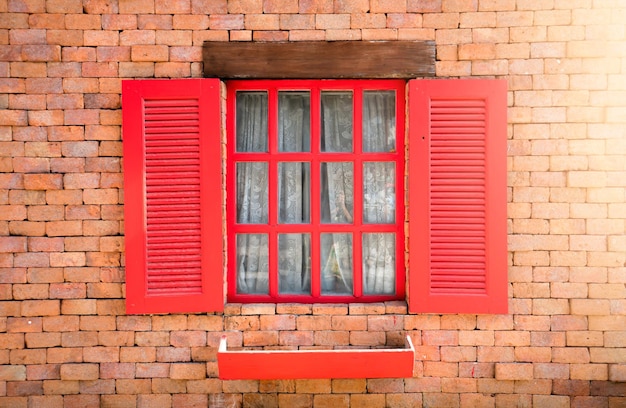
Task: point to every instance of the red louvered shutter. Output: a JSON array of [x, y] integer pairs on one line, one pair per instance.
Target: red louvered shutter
[[457, 196], [172, 136]]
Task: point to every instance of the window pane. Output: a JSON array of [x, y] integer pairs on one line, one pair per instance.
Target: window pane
[[379, 263], [251, 122], [252, 193], [294, 263], [294, 122], [336, 121], [337, 192], [336, 264], [252, 263], [379, 192], [379, 121], [294, 192]]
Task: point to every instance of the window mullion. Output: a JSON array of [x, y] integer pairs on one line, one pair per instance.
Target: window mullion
[[272, 123], [357, 218], [316, 286]]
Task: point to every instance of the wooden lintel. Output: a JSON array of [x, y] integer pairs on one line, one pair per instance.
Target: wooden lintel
[[319, 59]]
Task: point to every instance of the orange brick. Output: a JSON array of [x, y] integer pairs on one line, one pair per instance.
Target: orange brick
[[458, 385], [440, 369], [79, 372], [349, 322], [97, 323], [143, 355], [456, 354], [43, 340], [476, 51], [187, 371], [13, 244], [589, 372], [40, 307], [322, 386], [65, 355], [102, 354], [260, 338], [331, 338]]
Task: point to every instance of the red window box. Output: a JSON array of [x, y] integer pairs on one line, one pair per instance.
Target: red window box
[[307, 364]]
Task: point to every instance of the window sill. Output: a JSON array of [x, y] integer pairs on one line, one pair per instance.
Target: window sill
[[307, 364]]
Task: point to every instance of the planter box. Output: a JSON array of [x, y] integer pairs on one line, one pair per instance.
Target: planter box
[[293, 364]]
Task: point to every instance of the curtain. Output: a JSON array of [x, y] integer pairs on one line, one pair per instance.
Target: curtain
[[252, 193], [379, 195], [336, 196]]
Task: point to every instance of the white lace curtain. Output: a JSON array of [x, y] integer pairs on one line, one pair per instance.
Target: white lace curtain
[[336, 193]]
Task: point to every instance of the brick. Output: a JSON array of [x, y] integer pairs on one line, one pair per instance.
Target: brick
[[31, 229], [60, 323], [40, 307], [79, 339], [132, 386], [332, 21], [172, 354], [23, 325], [152, 339], [13, 244], [343, 35], [97, 323], [138, 355], [188, 339], [42, 181], [589, 372], [607, 355], [278, 322], [331, 338], [349, 323], [322, 386], [187, 371], [79, 372], [152, 370], [42, 340]]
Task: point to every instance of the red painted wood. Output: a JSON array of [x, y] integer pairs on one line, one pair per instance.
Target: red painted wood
[[457, 196], [172, 180], [315, 158], [307, 364]]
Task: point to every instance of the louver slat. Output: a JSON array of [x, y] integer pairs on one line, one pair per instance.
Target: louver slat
[[173, 206], [457, 196]]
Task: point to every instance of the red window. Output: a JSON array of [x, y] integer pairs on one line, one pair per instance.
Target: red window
[[314, 198], [314, 173]]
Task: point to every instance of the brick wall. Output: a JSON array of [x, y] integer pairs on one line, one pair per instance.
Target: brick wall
[[64, 337]]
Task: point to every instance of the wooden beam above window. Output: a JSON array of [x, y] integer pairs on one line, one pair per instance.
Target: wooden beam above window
[[319, 59]]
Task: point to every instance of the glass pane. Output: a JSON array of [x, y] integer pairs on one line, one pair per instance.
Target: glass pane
[[337, 192], [336, 264], [379, 121], [251, 122], [252, 194], [294, 121], [252, 263], [294, 263], [379, 192], [379, 263], [336, 121], [294, 192]]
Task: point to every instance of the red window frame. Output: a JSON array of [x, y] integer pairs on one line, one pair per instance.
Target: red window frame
[[315, 157]]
